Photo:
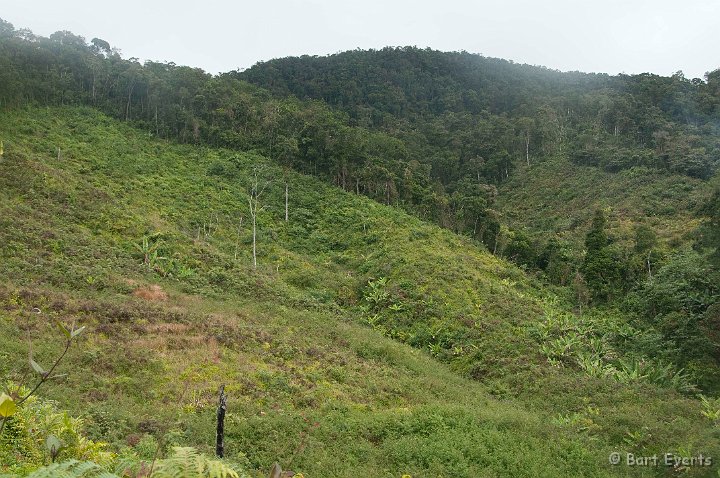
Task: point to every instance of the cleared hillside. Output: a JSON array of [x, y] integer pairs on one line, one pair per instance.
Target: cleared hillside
[[94, 215], [556, 197]]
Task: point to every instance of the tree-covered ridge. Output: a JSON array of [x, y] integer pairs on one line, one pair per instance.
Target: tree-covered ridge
[[456, 130], [611, 121], [444, 145]]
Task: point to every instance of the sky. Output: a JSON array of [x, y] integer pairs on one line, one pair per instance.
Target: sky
[[609, 36]]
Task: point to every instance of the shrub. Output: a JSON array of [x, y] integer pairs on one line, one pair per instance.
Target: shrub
[[23, 441]]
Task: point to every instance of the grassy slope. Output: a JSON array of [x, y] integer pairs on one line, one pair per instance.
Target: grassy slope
[[289, 338], [557, 195]]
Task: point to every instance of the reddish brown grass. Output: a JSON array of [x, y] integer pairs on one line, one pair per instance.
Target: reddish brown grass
[[153, 293]]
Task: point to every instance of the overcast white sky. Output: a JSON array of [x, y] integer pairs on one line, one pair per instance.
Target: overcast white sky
[[612, 36]]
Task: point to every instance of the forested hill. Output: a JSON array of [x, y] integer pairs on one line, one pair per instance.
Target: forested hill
[[477, 107], [409, 81]]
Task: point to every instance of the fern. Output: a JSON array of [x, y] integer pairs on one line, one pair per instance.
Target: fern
[[188, 463], [184, 463], [72, 469]]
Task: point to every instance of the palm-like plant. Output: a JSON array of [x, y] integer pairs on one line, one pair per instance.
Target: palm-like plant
[[149, 251]]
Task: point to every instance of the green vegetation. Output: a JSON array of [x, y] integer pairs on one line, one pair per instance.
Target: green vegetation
[[386, 272], [432, 132], [299, 341], [184, 462]]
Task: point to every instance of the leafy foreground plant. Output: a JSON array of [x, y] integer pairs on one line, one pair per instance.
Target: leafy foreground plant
[[9, 403], [38, 432], [73, 468], [29, 422]]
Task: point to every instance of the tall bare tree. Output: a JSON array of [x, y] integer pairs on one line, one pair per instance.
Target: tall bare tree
[[256, 190], [286, 201], [526, 125]]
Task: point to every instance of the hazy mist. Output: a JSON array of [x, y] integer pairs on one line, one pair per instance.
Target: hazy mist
[[631, 36]]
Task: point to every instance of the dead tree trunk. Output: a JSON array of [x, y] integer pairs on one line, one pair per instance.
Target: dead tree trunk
[[527, 148], [254, 205], [254, 236], [220, 437]]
